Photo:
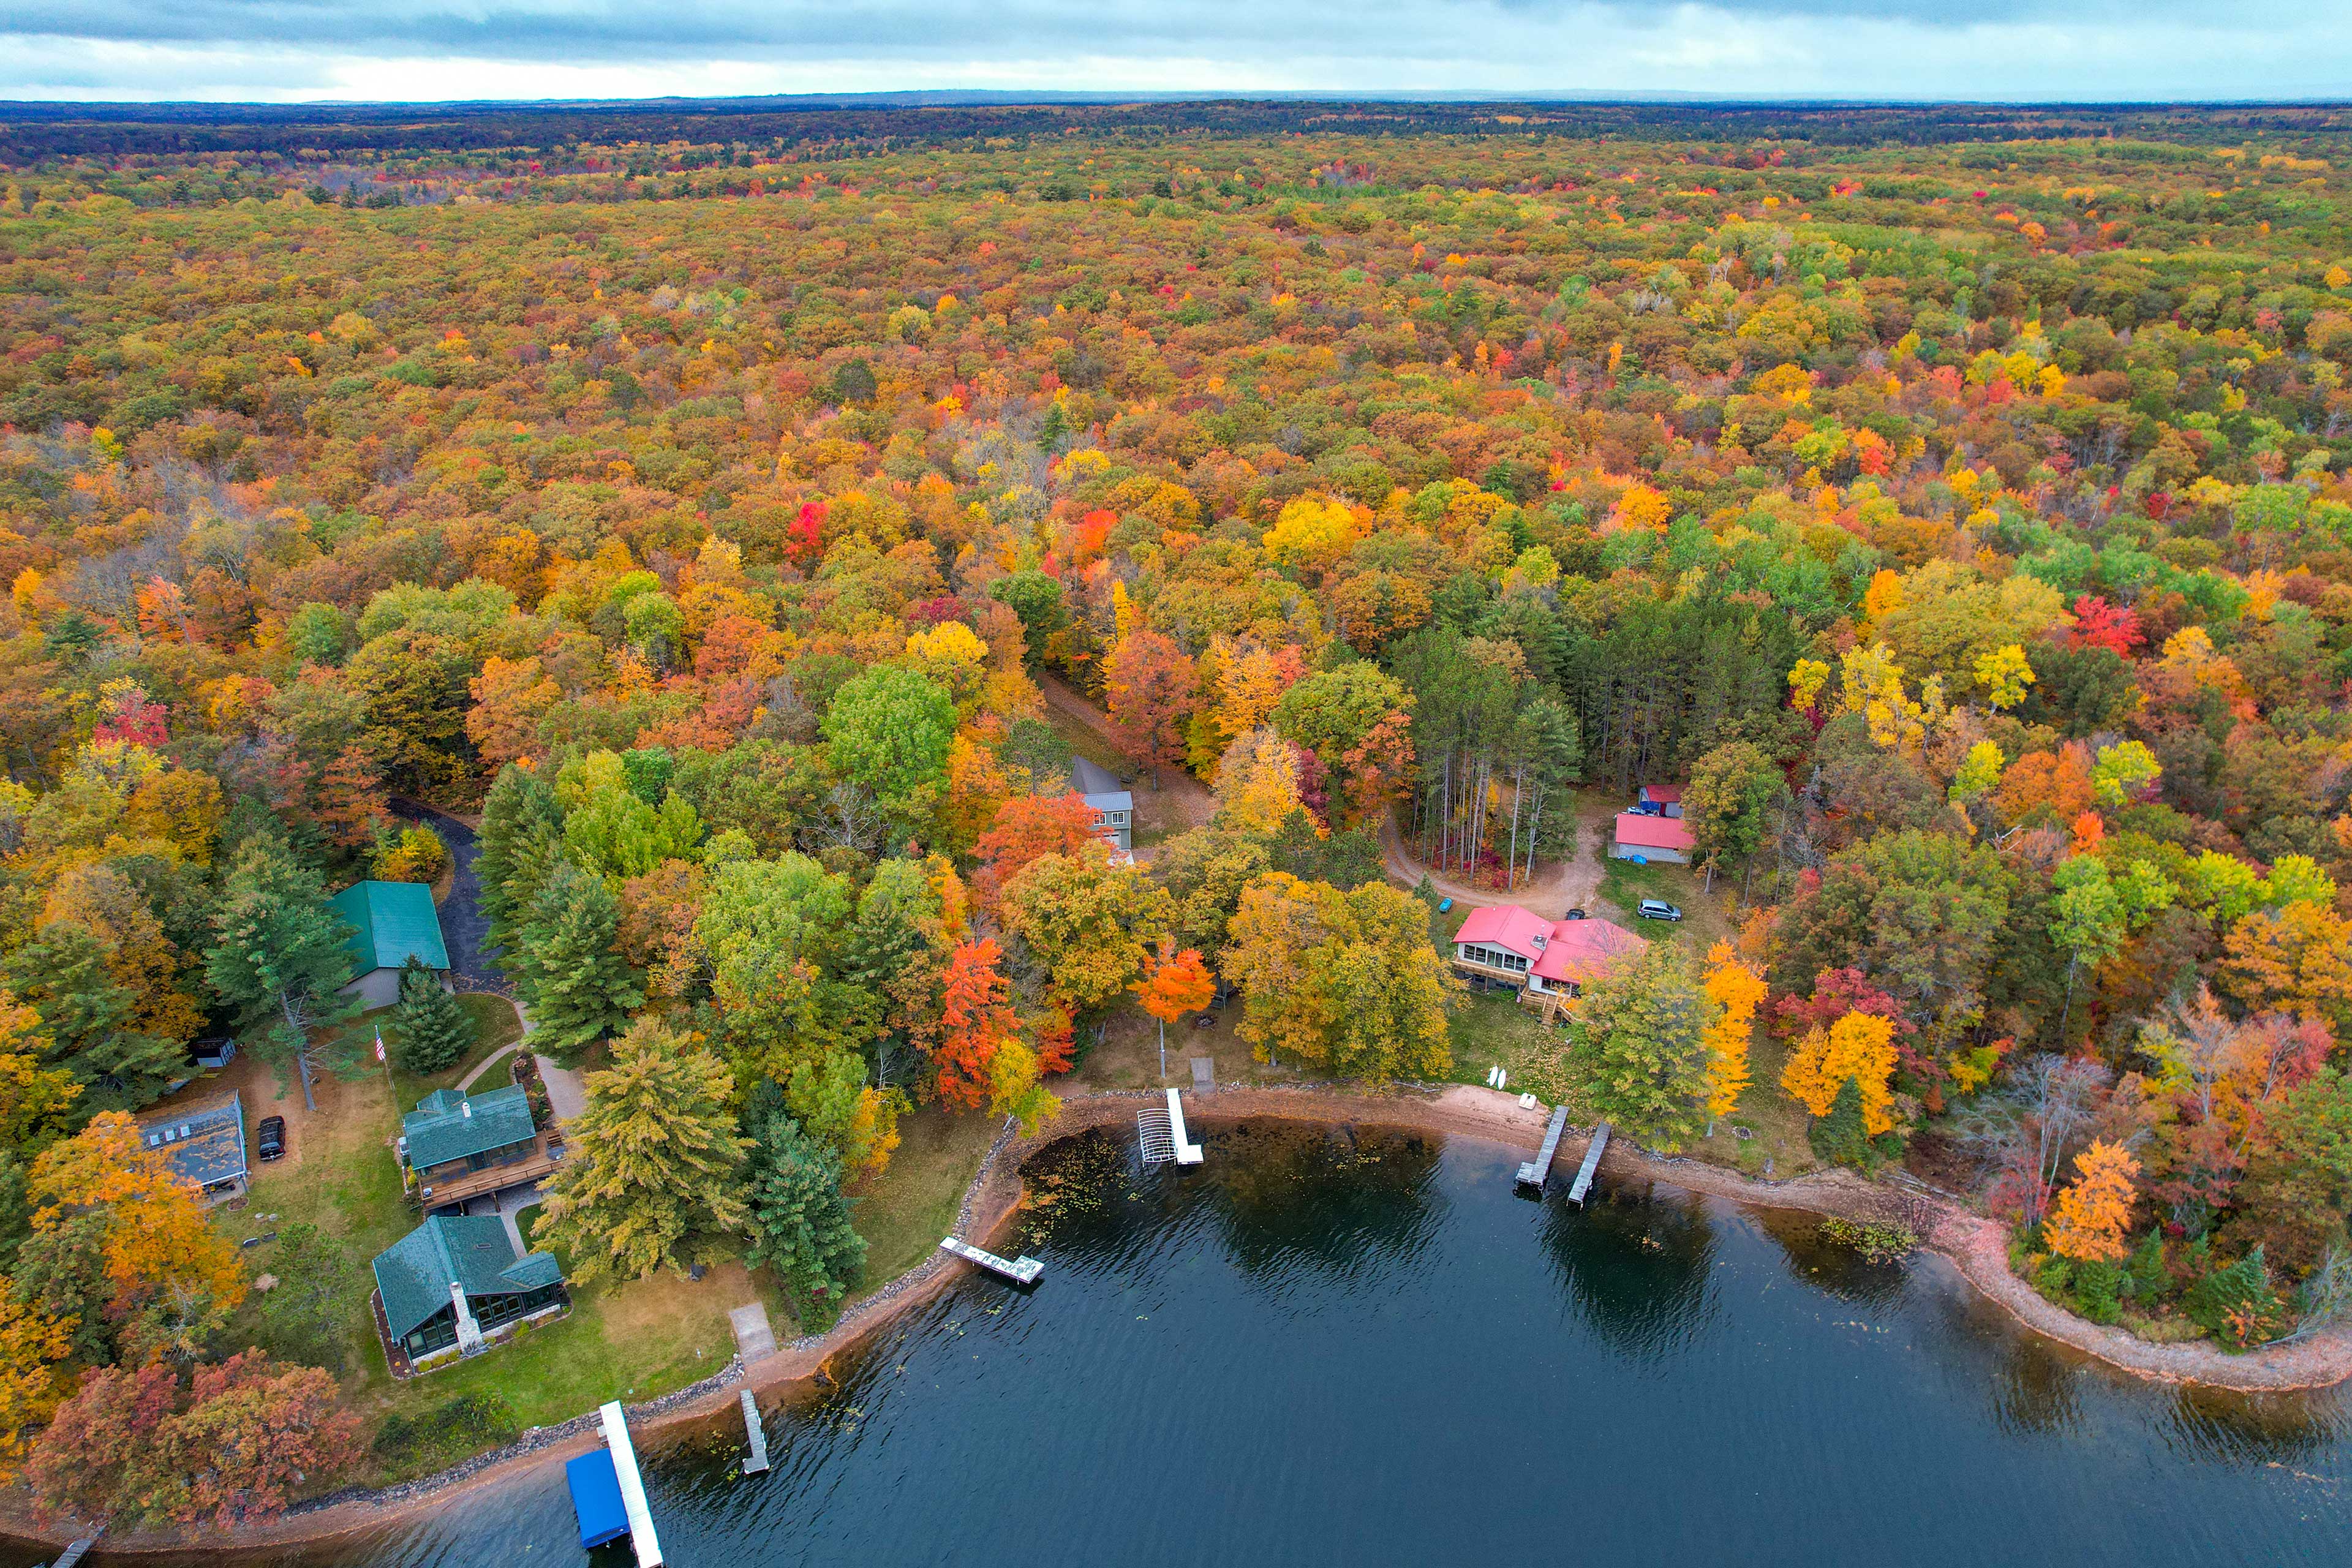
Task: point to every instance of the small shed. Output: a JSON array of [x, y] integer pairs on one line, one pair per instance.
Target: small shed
[[1642, 836], [1111, 801], [1659, 800], [389, 921]]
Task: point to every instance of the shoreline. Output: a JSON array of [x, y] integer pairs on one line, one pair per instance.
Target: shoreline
[[1976, 1247]]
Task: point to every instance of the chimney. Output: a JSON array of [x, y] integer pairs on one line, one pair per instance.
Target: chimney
[[465, 1108], [469, 1332]]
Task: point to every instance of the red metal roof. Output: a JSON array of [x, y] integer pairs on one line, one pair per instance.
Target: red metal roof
[[1579, 950], [1654, 832], [1507, 926], [1665, 795]]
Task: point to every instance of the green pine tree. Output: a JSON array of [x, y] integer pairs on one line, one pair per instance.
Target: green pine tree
[[435, 1029], [85, 1014], [653, 1175], [800, 1220], [1842, 1138], [521, 827], [279, 955], [568, 965], [1641, 1061]]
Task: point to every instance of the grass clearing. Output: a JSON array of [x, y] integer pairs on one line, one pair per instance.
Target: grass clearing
[[1493, 1029], [904, 1212]]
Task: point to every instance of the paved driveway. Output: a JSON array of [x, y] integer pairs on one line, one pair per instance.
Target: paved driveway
[[465, 929]]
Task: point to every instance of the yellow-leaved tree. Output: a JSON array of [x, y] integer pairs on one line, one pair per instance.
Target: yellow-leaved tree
[[1860, 1046], [156, 1240], [1736, 989], [2091, 1217]]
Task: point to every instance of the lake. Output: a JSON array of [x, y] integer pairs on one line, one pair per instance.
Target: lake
[[1360, 1347]]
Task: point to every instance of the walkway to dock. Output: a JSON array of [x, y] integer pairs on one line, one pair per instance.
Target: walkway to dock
[[78, 1551], [633, 1485], [1533, 1171], [1020, 1270], [1584, 1172]]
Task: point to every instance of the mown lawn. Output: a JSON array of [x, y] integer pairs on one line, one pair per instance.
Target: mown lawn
[[903, 1212]]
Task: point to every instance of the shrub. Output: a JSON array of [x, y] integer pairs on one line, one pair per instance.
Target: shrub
[[2236, 1301], [412, 854], [464, 1425]]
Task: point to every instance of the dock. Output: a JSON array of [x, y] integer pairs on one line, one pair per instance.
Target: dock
[[1187, 1153], [639, 1512], [1022, 1270], [1591, 1163], [77, 1552], [758, 1463], [1532, 1172]]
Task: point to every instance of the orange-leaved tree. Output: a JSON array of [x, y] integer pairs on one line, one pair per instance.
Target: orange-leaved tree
[[1029, 827], [975, 1023], [2092, 1216], [1736, 989], [156, 1241], [1860, 1046], [1177, 984]]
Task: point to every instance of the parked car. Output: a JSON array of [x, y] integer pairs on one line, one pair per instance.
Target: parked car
[[1578, 915], [1657, 909], [272, 1138]]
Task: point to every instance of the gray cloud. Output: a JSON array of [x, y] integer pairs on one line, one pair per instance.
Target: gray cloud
[[446, 48]]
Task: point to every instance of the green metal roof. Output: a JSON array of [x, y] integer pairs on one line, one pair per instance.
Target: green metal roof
[[392, 920], [447, 1125], [415, 1273]]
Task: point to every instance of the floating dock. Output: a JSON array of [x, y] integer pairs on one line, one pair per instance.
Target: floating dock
[[758, 1463], [639, 1512], [1584, 1172], [77, 1552], [1533, 1171], [1020, 1270]]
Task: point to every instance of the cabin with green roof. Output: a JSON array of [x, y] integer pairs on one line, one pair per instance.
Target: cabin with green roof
[[456, 1284], [389, 921], [451, 1136]]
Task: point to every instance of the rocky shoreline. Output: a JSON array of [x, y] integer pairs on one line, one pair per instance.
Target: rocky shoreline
[[1976, 1247]]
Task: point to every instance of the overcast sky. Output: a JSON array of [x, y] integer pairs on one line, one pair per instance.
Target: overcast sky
[[417, 49]]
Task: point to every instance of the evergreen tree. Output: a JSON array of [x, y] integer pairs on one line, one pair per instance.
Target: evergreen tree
[[1840, 1138], [800, 1220], [521, 825], [280, 956], [1641, 1061], [435, 1029], [653, 1175], [569, 965], [86, 1016]]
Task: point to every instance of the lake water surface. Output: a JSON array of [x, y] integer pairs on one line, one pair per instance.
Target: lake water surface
[[1358, 1347]]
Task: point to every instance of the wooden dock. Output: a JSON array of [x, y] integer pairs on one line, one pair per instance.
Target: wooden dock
[[1533, 1171], [633, 1485], [1020, 1270], [77, 1552], [758, 1463], [1584, 1172]]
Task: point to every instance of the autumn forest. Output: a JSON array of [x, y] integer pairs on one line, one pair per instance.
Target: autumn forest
[[746, 522]]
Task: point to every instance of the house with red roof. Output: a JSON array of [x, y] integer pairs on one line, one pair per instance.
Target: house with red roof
[[1549, 960], [1640, 835]]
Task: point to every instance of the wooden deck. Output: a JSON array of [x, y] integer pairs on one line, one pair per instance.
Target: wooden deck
[[531, 1167], [1533, 1171]]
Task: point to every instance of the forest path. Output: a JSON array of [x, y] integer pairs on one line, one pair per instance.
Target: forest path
[[1176, 800], [1558, 886]]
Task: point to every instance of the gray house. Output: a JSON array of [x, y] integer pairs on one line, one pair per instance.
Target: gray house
[[204, 1143], [1113, 807], [452, 1285]]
